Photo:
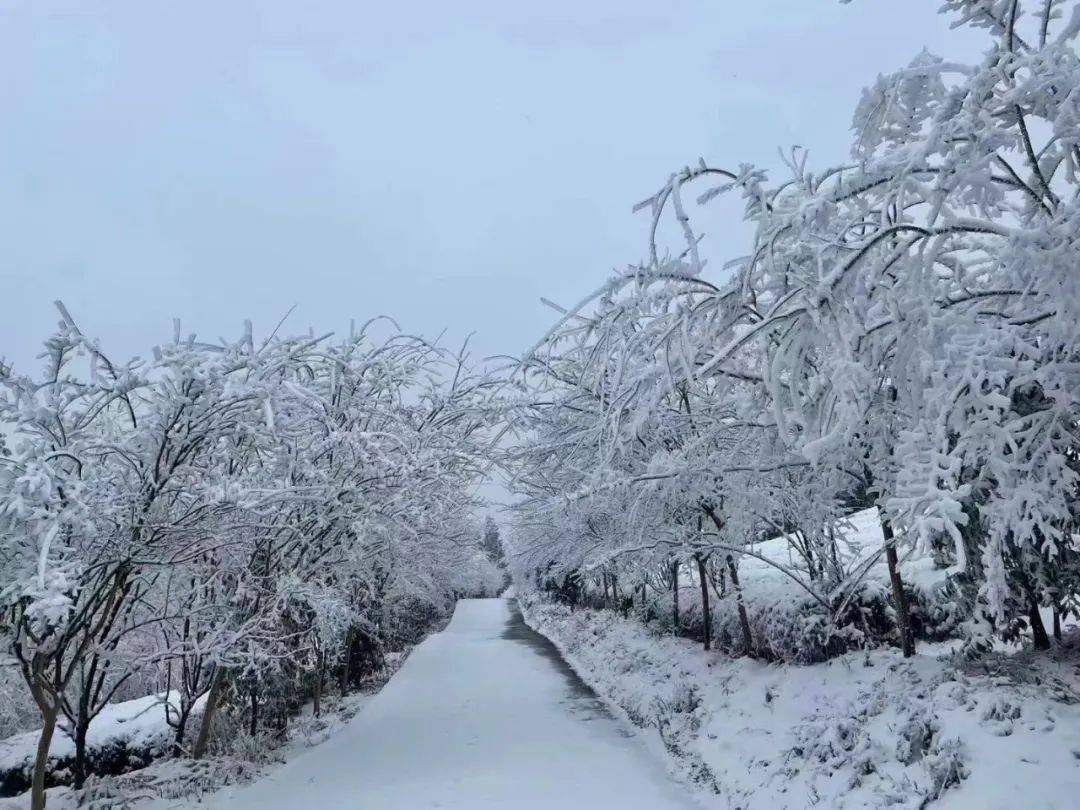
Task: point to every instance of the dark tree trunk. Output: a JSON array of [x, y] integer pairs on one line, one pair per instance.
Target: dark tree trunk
[[346, 662], [744, 620], [80, 770], [1057, 625], [834, 554], [181, 727], [254, 709], [811, 563], [675, 596], [317, 696], [733, 572], [1038, 629], [706, 612], [903, 613]]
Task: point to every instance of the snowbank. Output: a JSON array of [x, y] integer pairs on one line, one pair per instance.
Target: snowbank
[[123, 737], [866, 729]]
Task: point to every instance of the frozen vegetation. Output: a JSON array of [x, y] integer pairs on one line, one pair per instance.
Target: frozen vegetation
[[849, 470], [863, 729], [808, 522]]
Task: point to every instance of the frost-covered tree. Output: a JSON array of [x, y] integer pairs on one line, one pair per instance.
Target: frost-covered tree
[[900, 333], [237, 516]]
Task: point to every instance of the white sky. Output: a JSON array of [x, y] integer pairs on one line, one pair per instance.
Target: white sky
[[446, 163]]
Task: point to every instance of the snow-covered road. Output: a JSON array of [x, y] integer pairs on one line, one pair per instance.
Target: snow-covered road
[[483, 715]]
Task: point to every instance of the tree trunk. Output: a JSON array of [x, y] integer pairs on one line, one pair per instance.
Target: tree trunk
[[254, 709], [212, 698], [838, 569], [1057, 625], [346, 661], [181, 727], [41, 760], [811, 563], [79, 773], [744, 620], [1038, 629], [317, 697], [706, 612], [675, 596], [903, 614]]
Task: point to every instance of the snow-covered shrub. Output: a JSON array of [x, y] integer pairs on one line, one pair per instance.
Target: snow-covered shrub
[[868, 729], [945, 762], [106, 793], [190, 780], [260, 748]]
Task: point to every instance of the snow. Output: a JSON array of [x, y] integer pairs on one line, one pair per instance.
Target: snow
[[861, 730], [858, 538], [136, 723], [480, 716], [859, 543]]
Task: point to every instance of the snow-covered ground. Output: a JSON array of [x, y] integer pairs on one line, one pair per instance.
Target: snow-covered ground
[[482, 716], [487, 714], [167, 779], [862, 730]]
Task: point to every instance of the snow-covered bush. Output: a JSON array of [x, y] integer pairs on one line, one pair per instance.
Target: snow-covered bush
[[864, 729]]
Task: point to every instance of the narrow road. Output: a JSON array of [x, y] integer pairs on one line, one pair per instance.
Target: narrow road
[[484, 715]]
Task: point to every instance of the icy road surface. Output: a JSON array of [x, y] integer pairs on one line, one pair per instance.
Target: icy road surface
[[484, 715]]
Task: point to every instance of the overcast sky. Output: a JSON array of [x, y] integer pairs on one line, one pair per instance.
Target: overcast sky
[[446, 163]]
